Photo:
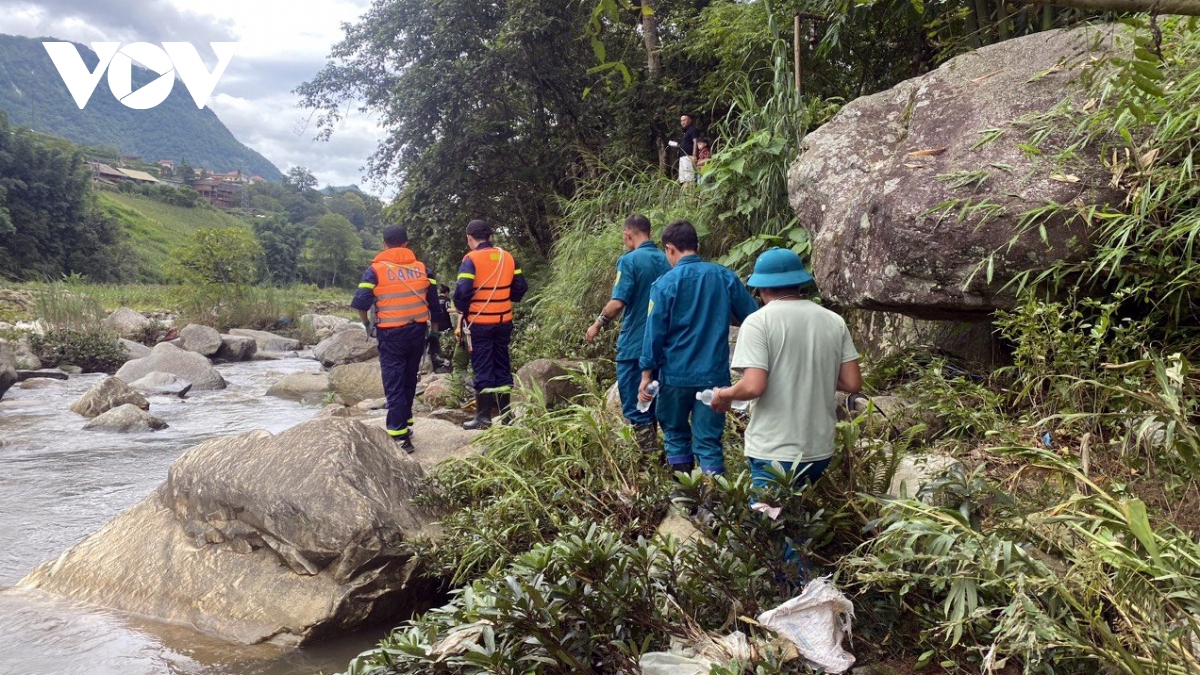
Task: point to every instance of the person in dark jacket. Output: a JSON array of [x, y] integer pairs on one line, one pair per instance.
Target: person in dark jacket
[[441, 317], [402, 290], [687, 344], [489, 282], [637, 269]]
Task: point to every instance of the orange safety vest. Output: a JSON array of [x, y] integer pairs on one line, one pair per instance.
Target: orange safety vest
[[400, 289], [492, 301]]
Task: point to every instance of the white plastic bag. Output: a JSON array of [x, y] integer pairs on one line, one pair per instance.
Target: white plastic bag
[[664, 663], [816, 621]]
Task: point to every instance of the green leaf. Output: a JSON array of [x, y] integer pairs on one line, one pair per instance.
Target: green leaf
[[1139, 524]]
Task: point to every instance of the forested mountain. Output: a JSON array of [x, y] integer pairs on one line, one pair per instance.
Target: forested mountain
[[33, 95]]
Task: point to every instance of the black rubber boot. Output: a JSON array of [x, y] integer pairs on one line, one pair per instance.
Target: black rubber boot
[[504, 407], [483, 412]]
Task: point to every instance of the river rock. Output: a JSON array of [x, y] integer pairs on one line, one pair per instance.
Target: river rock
[[350, 346], [298, 385], [167, 358], [162, 383], [134, 350], [109, 394], [551, 376], [317, 327], [268, 342], [125, 418], [289, 539], [437, 440], [439, 391], [127, 323], [201, 339], [356, 382], [40, 383], [869, 182], [8, 368], [26, 359], [237, 348]]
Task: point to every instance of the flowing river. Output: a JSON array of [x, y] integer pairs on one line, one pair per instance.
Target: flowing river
[[59, 484]]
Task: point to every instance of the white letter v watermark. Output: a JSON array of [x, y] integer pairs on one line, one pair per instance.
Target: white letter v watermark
[[80, 82]]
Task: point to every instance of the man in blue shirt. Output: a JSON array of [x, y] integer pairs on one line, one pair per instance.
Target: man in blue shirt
[[687, 343], [636, 271]]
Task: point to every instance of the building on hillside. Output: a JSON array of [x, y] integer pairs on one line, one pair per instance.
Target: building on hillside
[[138, 176], [170, 164], [105, 174], [222, 194]]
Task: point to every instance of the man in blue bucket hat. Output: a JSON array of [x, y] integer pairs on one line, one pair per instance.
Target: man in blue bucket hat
[[793, 355]]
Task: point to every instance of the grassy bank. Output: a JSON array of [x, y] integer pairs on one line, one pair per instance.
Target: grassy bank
[[155, 229]]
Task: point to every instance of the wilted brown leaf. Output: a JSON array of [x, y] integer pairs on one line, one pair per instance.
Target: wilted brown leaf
[[928, 152]]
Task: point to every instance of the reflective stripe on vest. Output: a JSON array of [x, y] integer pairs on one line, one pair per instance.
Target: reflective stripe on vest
[[400, 294], [492, 300]]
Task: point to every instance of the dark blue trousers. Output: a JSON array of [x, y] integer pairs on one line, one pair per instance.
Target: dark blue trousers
[[691, 430], [490, 357], [400, 351], [629, 379]]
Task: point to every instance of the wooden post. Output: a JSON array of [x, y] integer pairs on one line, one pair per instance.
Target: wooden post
[[796, 54]]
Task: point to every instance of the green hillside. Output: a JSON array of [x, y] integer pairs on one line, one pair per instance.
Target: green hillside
[[33, 94], [155, 229]]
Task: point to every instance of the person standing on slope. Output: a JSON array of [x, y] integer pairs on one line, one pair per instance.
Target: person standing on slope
[[402, 291], [637, 270], [489, 282]]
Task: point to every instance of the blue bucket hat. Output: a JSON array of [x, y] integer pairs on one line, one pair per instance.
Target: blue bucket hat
[[779, 268]]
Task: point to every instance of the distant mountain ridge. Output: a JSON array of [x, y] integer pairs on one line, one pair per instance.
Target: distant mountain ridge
[[34, 95]]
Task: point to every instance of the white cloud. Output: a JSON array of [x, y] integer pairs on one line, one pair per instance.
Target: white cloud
[[281, 45]]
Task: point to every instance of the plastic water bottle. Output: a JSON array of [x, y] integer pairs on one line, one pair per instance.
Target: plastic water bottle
[[651, 389], [706, 397]]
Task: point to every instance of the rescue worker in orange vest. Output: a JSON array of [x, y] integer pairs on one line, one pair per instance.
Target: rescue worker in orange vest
[[489, 282], [402, 291]]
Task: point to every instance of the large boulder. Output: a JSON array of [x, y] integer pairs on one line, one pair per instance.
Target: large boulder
[[109, 394], [167, 358], [299, 386], [127, 323], [200, 339], [162, 383], [134, 350], [552, 377], [26, 359], [880, 335], [289, 539], [437, 440], [356, 382], [910, 190], [316, 327], [914, 472], [237, 348], [348, 346], [8, 368], [268, 342], [125, 418], [439, 391]]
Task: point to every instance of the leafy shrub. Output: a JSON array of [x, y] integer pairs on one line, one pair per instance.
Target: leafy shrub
[[1084, 585], [93, 351]]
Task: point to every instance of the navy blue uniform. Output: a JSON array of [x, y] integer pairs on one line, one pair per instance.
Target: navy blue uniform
[[637, 270], [490, 358], [687, 343], [400, 351]]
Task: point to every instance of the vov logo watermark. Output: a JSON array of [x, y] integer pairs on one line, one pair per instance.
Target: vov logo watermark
[[173, 58]]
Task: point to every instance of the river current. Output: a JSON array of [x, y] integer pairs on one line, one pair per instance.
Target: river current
[[59, 484]]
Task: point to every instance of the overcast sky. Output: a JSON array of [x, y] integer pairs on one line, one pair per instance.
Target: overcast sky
[[281, 44]]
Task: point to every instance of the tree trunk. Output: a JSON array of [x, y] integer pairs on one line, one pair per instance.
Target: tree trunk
[[1185, 7], [650, 38]]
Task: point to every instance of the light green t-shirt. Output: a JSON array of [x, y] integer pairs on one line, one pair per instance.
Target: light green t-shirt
[[802, 346]]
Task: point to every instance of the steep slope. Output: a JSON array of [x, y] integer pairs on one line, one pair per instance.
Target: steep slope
[[34, 95]]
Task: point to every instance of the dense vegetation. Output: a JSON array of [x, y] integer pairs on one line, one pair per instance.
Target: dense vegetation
[[34, 95], [1061, 542]]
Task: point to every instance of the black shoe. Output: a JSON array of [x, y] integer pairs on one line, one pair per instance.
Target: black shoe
[[503, 406], [406, 444], [478, 423]]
